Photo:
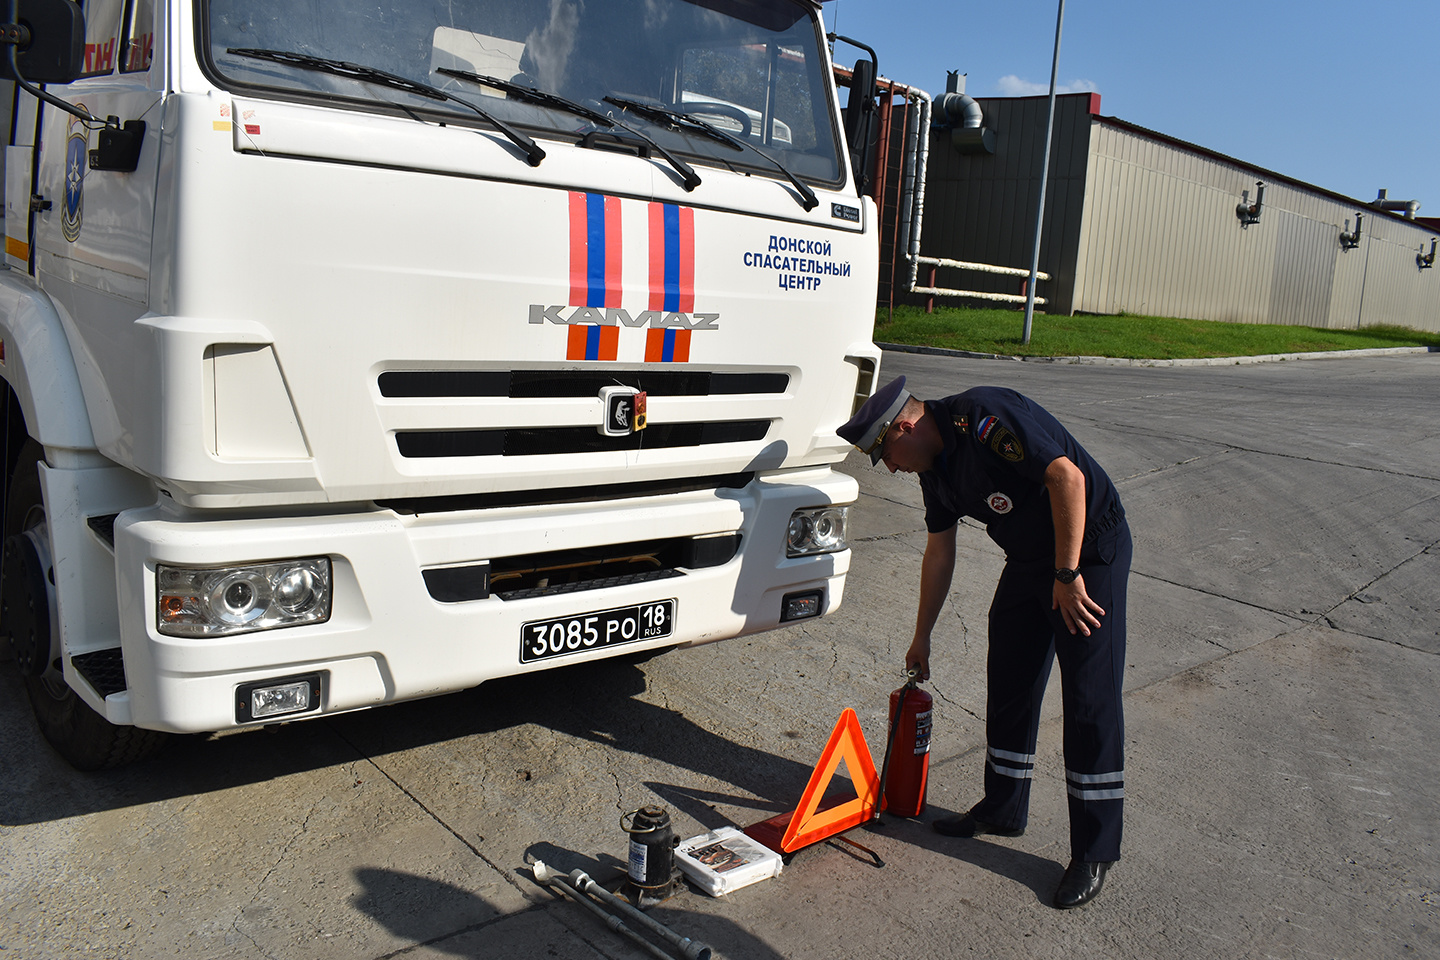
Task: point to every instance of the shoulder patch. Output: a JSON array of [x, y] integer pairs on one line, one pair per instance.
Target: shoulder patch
[[1007, 445], [962, 423], [985, 427]]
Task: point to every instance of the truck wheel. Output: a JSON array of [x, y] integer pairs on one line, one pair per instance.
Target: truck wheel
[[79, 734]]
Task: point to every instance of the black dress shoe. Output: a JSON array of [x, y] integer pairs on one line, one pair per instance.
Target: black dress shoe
[[1081, 883], [969, 826]]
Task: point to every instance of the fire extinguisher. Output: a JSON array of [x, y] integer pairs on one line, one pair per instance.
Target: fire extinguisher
[[907, 750]]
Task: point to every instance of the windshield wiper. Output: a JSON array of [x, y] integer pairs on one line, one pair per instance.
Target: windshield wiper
[[688, 176], [683, 121], [356, 71]]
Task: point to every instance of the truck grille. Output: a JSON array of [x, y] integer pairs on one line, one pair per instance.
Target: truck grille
[[532, 441], [571, 571], [577, 494], [551, 384]]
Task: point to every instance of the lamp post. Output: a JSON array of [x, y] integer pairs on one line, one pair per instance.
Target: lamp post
[[1044, 176]]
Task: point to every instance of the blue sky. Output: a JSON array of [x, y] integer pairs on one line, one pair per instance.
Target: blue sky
[[1343, 95]]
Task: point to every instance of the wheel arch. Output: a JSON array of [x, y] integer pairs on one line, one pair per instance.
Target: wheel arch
[[38, 366]]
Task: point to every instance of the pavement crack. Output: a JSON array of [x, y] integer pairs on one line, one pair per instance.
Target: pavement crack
[[1222, 596], [1381, 576], [1160, 469], [433, 815]]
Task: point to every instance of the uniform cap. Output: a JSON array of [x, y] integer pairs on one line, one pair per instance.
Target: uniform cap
[[868, 427]]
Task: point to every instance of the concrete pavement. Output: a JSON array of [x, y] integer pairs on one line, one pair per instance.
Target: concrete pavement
[[1283, 740]]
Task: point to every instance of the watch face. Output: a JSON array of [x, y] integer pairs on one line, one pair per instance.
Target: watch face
[[1066, 576]]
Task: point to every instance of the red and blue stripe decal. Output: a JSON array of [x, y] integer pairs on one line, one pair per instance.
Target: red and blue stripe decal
[[595, 246], [669, 345], [596, 271], [591, 341], [672, 258]]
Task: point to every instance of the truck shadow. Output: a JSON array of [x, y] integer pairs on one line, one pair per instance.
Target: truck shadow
[[596, 702]]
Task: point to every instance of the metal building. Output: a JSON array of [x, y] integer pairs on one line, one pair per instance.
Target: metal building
[[1139, 222]]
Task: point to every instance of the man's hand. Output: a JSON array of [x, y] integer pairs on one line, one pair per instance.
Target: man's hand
[[918, 656], [1080, 612]]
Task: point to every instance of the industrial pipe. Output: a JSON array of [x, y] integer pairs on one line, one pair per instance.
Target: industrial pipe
[[1407, 207], [1247, 212], [692, 949], [1348, 240], [959, 111], [912, 184], [1426, 262], [546, 877]]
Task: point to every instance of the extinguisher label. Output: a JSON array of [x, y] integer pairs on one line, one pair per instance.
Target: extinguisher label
[[639, 857], [922, 732]]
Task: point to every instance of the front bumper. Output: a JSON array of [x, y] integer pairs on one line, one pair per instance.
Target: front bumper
[[389, 640]]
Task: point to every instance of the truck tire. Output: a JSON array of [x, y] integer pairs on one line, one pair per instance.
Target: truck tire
[[79, 734]]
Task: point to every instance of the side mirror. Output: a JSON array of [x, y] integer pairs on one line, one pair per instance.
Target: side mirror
[[49, 41], [859, 110]]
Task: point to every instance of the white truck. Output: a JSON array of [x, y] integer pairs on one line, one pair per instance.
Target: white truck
[[358, 352]]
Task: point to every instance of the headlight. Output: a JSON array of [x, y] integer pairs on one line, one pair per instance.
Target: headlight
[[816, 530], [219, 601]]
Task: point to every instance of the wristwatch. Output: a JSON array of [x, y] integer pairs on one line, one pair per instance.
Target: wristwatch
[[1066, 576]]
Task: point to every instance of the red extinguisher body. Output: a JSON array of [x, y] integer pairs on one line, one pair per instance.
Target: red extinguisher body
[[910, 757]]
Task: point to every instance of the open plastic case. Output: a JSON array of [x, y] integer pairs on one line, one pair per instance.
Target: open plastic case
[[725, 860]]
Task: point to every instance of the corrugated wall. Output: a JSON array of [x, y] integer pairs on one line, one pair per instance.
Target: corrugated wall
[[1138, 222], [981, 207], [1160, 237]]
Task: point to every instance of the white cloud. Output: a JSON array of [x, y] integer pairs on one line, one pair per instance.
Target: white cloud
[[1013, 86]]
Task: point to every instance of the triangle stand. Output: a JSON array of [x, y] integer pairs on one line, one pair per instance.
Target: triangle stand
[[808, 823]]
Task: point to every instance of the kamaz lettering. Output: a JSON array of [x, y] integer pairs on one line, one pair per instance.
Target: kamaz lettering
[[619, 316]]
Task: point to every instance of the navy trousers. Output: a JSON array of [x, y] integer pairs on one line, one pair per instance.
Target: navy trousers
[[1026, 636]]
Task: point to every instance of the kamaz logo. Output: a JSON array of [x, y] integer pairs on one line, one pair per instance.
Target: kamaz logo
[[620, 317]]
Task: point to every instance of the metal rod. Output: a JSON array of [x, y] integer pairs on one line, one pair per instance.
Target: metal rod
[[917, 214], [692, 949], [975, 294], [980, 267], [1044, 175], [546, 877]]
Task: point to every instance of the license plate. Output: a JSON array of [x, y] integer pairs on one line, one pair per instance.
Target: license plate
[[542, 639]]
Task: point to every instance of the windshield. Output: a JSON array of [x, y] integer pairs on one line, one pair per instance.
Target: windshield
[[752, 68]]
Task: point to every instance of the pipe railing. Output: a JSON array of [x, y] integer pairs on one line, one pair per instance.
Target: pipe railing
[[978, 268]]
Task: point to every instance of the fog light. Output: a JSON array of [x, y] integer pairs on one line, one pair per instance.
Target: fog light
[[277, 698], [220, 601], [800, 606], [816, 530]]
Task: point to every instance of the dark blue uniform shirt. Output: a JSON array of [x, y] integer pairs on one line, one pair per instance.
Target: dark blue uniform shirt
[[997, 446]]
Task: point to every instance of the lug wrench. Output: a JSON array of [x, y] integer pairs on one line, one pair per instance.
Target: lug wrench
[[692, 949], [547, 877]]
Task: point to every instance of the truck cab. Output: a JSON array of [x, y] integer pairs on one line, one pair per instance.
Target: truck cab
[[360, 352]]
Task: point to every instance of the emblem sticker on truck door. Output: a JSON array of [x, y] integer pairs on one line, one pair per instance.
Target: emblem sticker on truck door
[[76, 163]]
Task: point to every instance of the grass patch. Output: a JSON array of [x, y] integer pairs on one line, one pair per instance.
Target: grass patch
[[991, 330]]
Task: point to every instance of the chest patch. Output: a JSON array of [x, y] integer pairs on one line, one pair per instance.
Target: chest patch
[[999, 502], [962, 423]]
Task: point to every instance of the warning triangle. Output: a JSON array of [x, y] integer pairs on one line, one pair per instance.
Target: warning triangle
[[806, 825]]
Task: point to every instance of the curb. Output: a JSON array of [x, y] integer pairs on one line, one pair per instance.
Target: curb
[[1197, 362]]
